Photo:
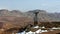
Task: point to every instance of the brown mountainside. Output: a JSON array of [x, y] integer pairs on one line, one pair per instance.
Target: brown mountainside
[[18, 18]]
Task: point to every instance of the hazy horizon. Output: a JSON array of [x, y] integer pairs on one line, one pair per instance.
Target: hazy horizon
[[25, 5]]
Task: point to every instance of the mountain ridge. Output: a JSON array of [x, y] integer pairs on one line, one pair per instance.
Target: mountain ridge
[[43, 15]]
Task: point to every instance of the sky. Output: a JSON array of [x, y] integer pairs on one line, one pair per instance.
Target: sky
[[25, 5]]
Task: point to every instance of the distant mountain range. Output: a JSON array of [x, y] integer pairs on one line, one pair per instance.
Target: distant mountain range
[[42, 16]]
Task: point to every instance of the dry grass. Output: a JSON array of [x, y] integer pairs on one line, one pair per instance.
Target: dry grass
[[51, 32]]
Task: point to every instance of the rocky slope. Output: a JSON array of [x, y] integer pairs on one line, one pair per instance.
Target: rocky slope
[[42, 16], [18, 18]]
